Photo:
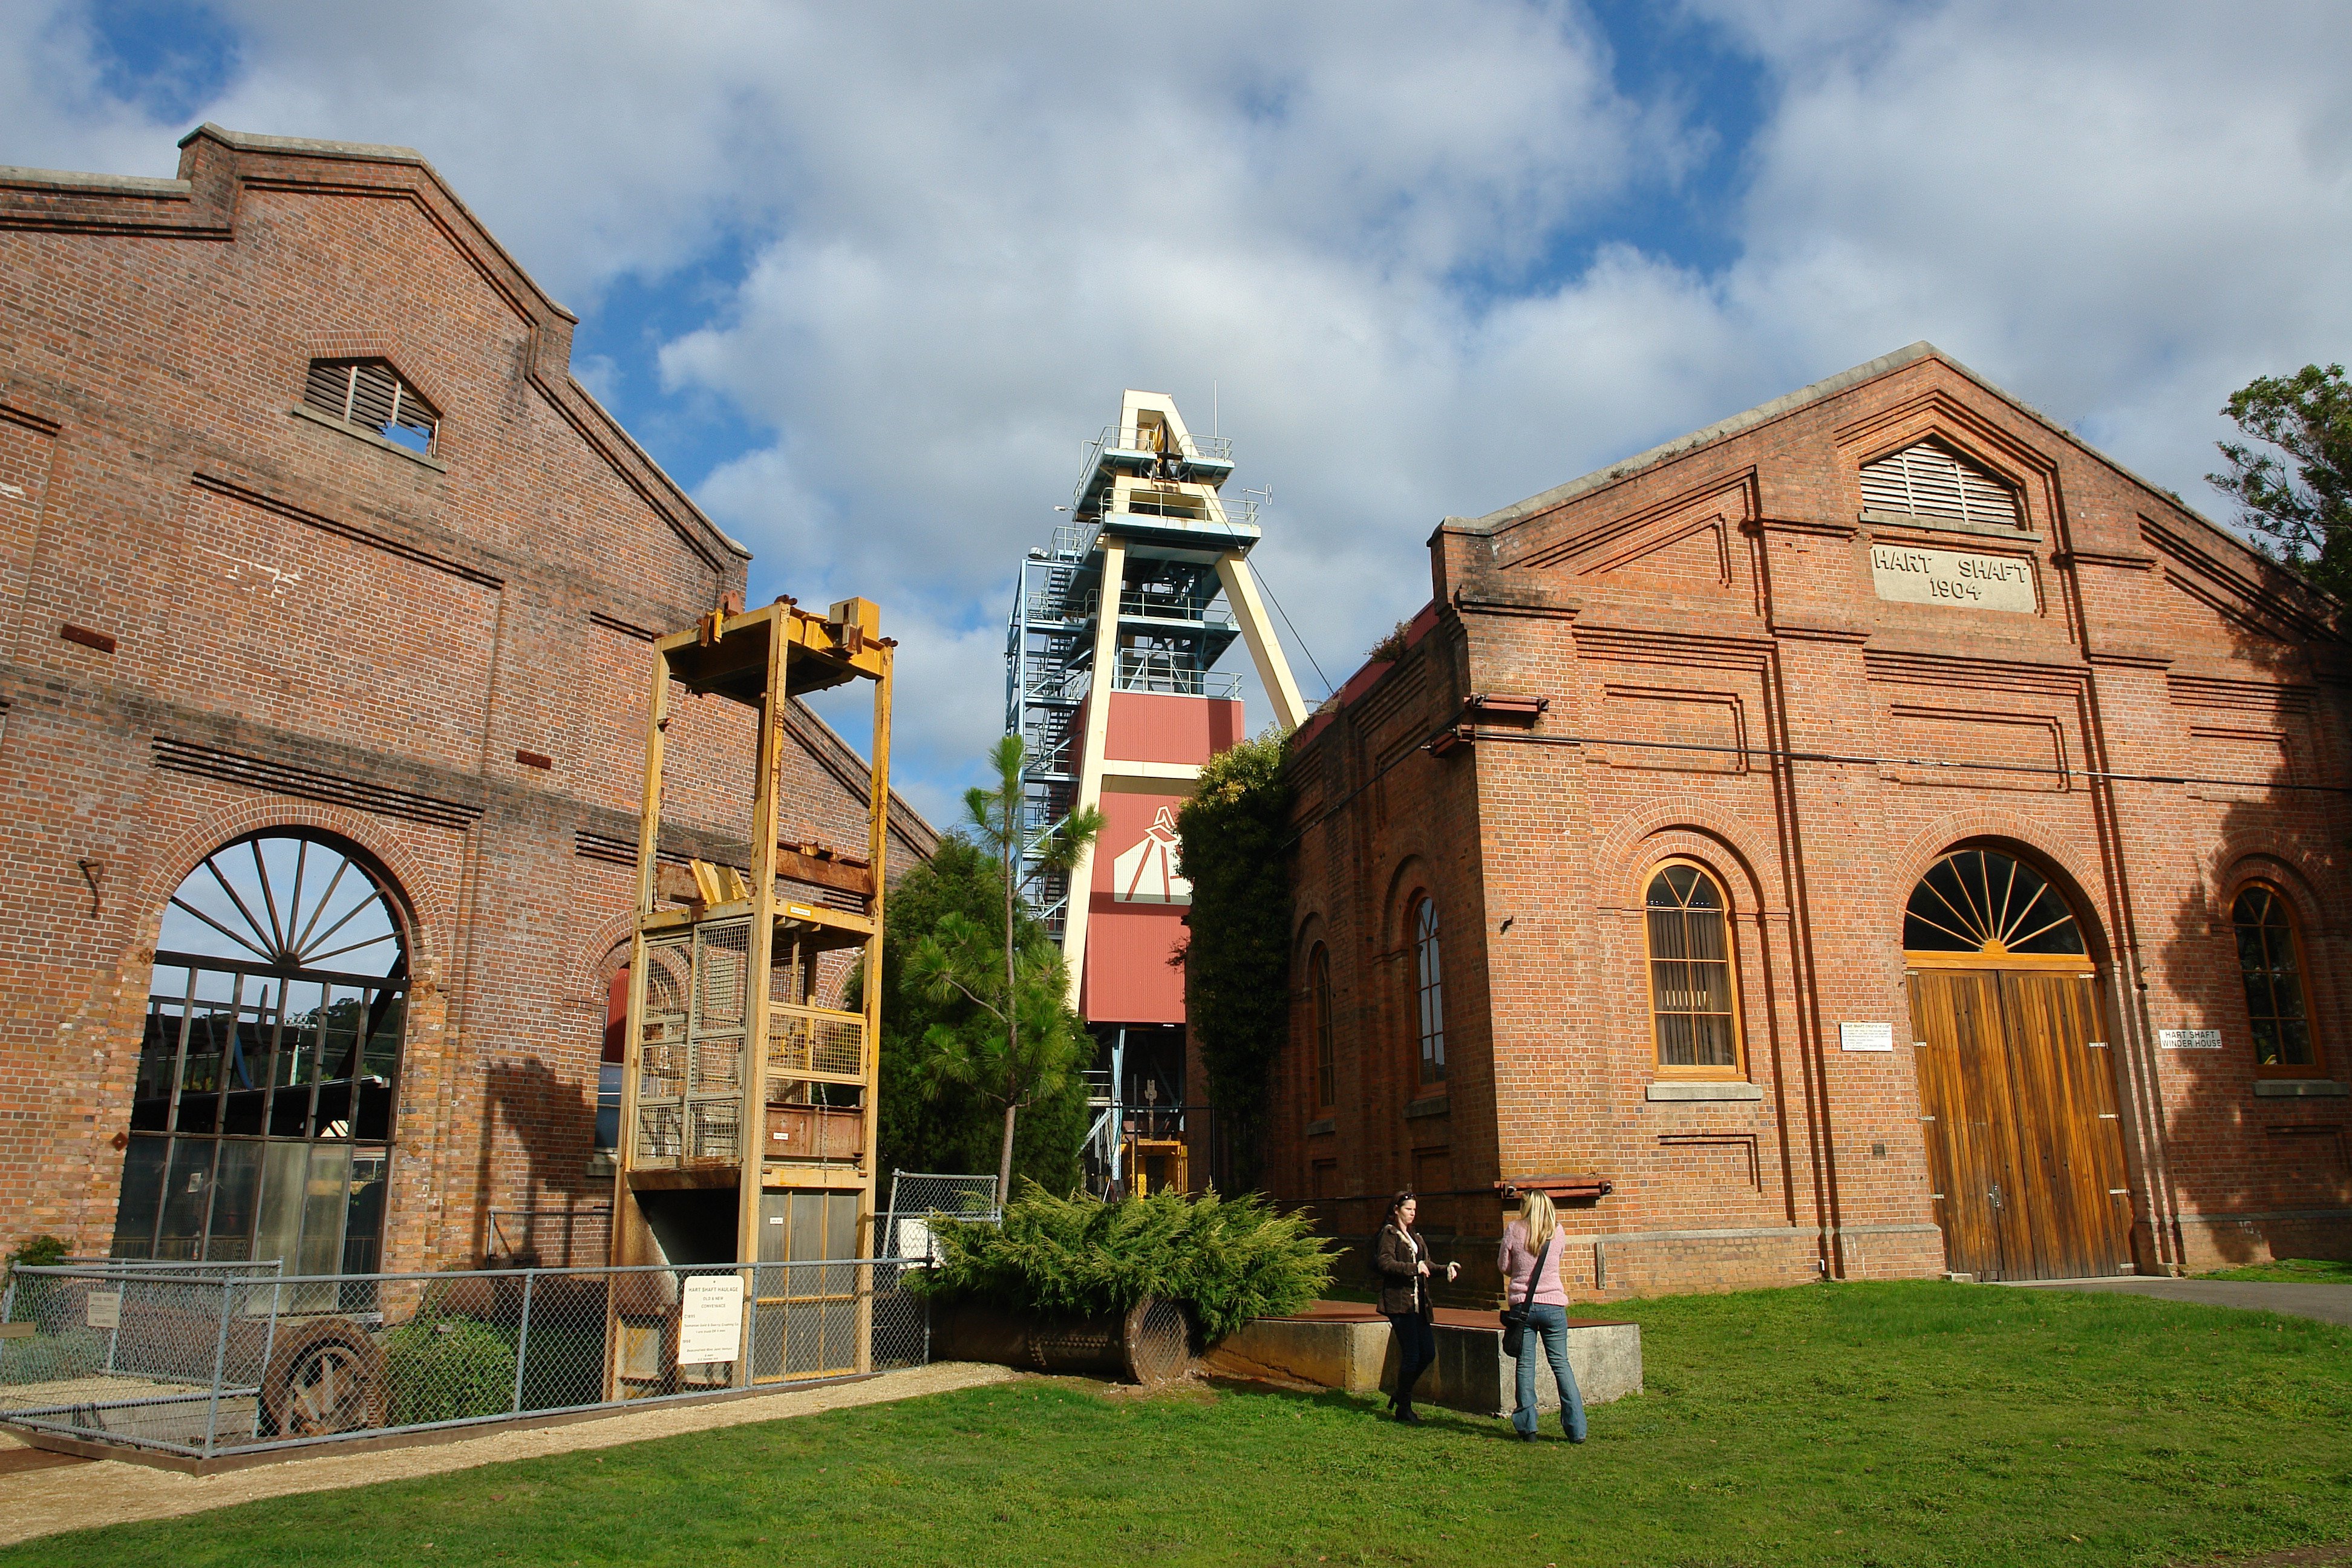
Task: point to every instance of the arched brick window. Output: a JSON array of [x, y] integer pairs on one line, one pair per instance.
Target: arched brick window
[[2270, 963], [1693, 1007], [1428, 988], [1318, 1000], [261, 1125]]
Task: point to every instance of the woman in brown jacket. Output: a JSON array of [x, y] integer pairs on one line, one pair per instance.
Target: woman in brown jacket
[[1402, 1260]]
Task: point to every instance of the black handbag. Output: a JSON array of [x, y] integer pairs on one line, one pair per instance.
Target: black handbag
[[1515, 1318]]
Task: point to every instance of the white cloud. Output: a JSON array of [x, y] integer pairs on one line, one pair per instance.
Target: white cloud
[[971, 226]]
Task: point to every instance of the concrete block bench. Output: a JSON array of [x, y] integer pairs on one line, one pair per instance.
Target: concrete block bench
[[1346, 1345]]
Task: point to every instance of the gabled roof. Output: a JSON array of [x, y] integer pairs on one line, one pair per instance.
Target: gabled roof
[[200, 204], [1498, 521]]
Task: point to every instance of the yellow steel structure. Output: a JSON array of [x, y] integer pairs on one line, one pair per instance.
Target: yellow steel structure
[[742, 1122]]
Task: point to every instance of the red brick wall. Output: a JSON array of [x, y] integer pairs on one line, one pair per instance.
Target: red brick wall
[[283, 591], [1722, 597]]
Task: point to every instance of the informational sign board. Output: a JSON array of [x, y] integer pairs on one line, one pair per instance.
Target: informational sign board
[[105, 1310], [1911, 575], [711, 1319], [2188, 1039], [1865, 1036]]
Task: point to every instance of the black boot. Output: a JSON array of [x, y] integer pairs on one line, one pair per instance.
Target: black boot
[[1404, 1413]]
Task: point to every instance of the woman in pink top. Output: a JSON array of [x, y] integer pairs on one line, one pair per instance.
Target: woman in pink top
[[1534, 1237]]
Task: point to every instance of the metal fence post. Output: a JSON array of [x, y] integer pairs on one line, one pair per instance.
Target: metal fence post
[[522, 1340], [220, 1365], [269, 1349]]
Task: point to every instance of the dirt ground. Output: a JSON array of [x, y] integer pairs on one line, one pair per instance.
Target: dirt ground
[[43, 1494]]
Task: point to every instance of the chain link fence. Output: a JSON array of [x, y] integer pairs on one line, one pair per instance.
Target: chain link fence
[[206, 1359], [904, 1230]]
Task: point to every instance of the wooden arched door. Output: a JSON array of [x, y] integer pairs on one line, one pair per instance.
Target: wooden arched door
[[2017, 1097]]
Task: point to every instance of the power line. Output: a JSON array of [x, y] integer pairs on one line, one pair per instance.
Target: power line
[[1294, 632], [1512, 737]]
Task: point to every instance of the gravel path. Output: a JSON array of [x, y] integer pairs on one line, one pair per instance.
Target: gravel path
[[82, 1495]]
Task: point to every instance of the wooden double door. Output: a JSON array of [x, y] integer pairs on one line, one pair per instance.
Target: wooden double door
[[2018, 1103]]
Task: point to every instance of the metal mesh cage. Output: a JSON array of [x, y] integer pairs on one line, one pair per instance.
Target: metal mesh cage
[[814, 1040], [717, 1126], [715, 1064], [722, 953], [661, 1132]]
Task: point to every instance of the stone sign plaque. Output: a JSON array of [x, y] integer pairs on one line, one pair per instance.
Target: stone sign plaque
[[1909, 574], [1865, 1036], [2188, 1039]]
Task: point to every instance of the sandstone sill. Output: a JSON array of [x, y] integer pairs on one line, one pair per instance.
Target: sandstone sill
[[2297, 1089], [1680, 1091]]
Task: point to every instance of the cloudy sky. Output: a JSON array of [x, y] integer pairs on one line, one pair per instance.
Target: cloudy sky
[[865, 277]]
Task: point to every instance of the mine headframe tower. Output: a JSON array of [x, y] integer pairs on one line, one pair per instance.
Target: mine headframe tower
[[748, 1092], [1110, 677]]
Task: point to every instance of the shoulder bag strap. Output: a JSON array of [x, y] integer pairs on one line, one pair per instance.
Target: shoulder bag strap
[[1529, 1298]]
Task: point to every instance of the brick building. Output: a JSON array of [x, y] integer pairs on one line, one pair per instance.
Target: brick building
[[1872, 834], [328, 596]]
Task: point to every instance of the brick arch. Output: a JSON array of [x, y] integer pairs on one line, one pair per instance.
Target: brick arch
[[1715, 837], [585, 967], [1412, 875], [1311, 929], [2059, 859], [427, 902], [2239, 857]]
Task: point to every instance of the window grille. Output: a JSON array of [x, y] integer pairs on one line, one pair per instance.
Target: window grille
[[2272, 969], [1318, 970], [1931, 480], [1982, 901], [370, 393], [1429, 991], [262, 1115], [1691, 1007]]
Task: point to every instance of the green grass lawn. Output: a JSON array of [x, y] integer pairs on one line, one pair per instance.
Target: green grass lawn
[[1918, 1423], [2290, 1271]]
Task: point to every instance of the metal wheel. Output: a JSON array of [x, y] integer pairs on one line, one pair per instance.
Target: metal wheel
[[331, 1382]]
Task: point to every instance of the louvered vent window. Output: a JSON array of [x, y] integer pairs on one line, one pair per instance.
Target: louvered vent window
[[370, 393], [1932, 480]]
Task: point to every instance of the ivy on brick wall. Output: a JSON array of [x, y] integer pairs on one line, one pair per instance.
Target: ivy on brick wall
[[1233, 836]]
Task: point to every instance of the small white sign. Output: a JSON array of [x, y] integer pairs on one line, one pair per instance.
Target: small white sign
[[1865, 1036], [2188, 1039], [711, 1319], [105, 1311], [914, 1239]]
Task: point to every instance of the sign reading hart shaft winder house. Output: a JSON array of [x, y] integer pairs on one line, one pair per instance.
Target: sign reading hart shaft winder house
[[1912, 576]]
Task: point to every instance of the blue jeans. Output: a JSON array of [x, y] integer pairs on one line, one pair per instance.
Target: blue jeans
[[1548, 1323]]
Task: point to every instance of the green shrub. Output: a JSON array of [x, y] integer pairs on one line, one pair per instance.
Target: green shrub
[[1229, 1260], [449, 1370], [38, 1252]]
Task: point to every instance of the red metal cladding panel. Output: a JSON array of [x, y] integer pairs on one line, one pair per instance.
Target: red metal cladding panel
[[1135, 918], [1153, 727]]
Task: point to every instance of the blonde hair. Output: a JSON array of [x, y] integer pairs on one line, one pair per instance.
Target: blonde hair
[[1539, 1216]]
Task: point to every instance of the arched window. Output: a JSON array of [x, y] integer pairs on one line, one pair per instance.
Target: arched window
[[1318, 987], [1693, 1020], [1991, 906], [1428, 990], [261, 1122], [2270, 961]]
